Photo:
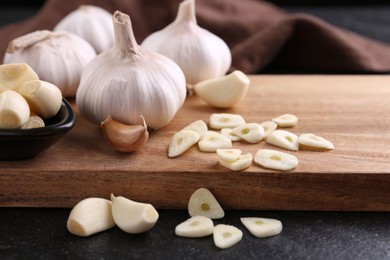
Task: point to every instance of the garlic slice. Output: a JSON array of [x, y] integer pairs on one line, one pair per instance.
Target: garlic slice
[[241, 163], [226, 236], [211, 141], [283, 139], [250, 132], [286, 120], [90, 216], [262, 227], [225, 120], [275, 160], [196, 226], [14, 110], [203, 203], [13, 75], [34, 121], [198, 126], [223, 92], [228, 155], [228, 132], [131, 216], [269, 127], [312, 142], [182, 141]]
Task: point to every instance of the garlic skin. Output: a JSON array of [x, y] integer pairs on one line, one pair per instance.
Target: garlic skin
[[199, 53], [127, 81], [92, 23], [57, 57]]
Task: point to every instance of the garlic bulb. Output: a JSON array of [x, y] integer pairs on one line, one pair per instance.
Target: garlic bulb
[[128, 81], [92, 23], [57, 57], [199, 53]]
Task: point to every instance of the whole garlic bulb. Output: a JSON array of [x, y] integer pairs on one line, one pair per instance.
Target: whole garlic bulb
[[199, 53], [92, 23], [127, 81], [57, 57]]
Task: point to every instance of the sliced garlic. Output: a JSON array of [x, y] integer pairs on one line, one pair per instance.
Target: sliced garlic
[[124, 138], [250, 132], [312, 142], [241, 163], [90, 216], [228, 155], [286, 120], [203, 203], [198, 126], [223, 92], [196, 226], [226, 236], [14, 110], [269, 127], [34, 121], [182, 141], [228, 132], [13, 75], [225, 120], [262, 227], [283, 139], [211, 141], [131, 216], [44, 98], [275, 160]]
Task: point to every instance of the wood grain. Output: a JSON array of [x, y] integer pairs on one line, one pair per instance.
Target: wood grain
[[351, 111]]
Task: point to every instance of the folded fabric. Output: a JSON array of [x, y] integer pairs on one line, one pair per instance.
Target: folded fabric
[[260, 35]]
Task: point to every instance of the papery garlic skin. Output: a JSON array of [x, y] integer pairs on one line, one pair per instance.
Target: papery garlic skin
[[57, 57], [92, 23], [199, 53], [127, 81]]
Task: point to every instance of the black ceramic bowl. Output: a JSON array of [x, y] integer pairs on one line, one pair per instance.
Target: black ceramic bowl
[[20, 144]]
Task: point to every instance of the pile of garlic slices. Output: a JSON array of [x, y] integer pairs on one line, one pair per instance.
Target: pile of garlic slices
[[26, 101]]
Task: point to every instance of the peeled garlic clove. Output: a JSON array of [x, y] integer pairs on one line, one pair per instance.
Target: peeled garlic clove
[[182, 141], [34, 121], [262, 227], [203, 203], [199, 53], [131, 216], [198, 126], [13, 75], [211, 141], [228, 155], [226, 236], [223, 92], [14, 110], [44, 98], [283, 139], [124, 138], [269, 127], [250, 132], [225, 120], [312, 142], [286, 120], [197, 226], [275, 160], [241, 163], [57, 57], [90, 216], [92, 23]]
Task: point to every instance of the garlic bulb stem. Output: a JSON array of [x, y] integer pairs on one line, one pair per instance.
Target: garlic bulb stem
[[125, 39], [186, 12]]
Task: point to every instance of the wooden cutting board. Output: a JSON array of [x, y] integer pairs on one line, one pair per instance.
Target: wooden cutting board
[[351, 111]]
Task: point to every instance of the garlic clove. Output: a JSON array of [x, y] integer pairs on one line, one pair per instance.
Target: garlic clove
[[269, 127], [34, 121], [199, 53], [131, 216], [225, 120], [13, 75], [286, 120], [250, 132], [228, 155], [262, 227], [275, 160], [14, 110], [312, 142], [241, 163], [283, 139], [223, 92], [211, 141], [228, 132], [44, 98], [198, 126], [122, 137], [90, 216], [182, 141], [226, 236], [203, 203], [196, 226]]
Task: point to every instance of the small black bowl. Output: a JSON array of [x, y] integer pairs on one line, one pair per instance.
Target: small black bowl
[[20, 144]]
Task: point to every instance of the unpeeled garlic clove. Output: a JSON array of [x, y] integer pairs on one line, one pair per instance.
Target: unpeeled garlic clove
[[90, 216], [124, 138], [131, 216], [223, 92]]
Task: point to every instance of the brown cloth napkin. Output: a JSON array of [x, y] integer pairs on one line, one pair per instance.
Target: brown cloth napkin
[[259, 34]]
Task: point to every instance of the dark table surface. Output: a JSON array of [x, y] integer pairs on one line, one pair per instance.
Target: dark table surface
[[40, 233]]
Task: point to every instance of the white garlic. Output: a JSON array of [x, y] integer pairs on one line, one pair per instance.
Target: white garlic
[[92, 23], [14, 110], [127, 81], [57, 57], [200, 54]]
